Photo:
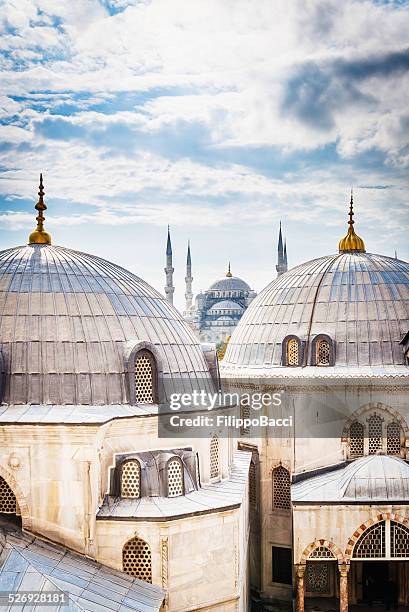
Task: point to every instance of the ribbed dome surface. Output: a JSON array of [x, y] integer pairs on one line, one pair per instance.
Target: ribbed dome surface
[[229, 283], [360, 300], [68, 321], [225, 305]]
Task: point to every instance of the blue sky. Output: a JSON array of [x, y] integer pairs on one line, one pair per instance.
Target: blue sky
[[219, 118]]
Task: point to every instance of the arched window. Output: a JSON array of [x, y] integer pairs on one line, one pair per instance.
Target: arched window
[[384, 540], [375, 434], [245, 415], [137, 559], [145, 378], [356, 440], [131, 479], [323, 353], [214, 457], [281, 485], [8, 502], [293, 352], [175, 477], [393, 441]]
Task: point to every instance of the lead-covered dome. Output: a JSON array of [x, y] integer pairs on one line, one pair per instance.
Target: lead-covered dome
[[229, 283], [359, 301], [69, 321]]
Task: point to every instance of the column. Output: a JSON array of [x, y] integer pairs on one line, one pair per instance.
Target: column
[[343, 587], [299, 601]]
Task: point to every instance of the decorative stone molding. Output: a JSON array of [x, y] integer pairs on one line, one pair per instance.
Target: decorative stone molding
[[337, 553], [374, 406], [364, 526], [164, 552], [14, 461]]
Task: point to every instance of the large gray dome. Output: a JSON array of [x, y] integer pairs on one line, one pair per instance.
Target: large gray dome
[[360, 300], [68, 321], [229, 283]]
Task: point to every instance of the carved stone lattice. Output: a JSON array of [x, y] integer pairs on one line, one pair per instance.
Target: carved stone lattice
[[175, 478], [214, 457], [164, 561], [399, 540], [131, 479], [137, 559], [393, 443], [143, 380], [317, 578], [371, 544], [375, 433], [281, 488], [245, 414], [293, 353], [323, 352], [321, 552], [356, 440], [252, 485], [8, 503]]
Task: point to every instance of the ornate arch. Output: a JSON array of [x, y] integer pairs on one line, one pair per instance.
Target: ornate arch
[[394, 414], [21, 499], [337, 552], [362, 528]]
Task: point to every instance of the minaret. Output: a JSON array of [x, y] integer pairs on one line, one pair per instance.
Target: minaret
[[281, 266], [169, 270], [188, 281], [285, 255]]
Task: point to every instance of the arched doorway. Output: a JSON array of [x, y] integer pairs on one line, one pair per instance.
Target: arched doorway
[[380, 564]]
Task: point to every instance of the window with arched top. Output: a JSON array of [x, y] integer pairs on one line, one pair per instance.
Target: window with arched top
[[293, 352], [245, 417], [356, 440], [175, 483], [375, 433], [281, 488], [253, 485], [393, 438], [323, 353], [8, 502], [385, 540], [214, 457], [137, 559], [145, 378], [131, 479]]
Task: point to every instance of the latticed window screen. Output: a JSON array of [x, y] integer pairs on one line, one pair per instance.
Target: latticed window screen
[[317, 578], [253, 485], [375, 433], [371, 544], [137, 559], [214, 457], [399, 540], [293, 353], [281, 488], [8, 503], [245, 414], [393, 438], [323, 352], [356, 439], [144, 378], [321, 552], [131, 479], [175, 478]]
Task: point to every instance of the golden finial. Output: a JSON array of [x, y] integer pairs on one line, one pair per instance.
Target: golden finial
[[228, 273], [40, 236], [351, 242]]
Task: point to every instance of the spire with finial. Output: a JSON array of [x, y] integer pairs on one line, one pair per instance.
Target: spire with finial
[[188, 282], [228, 273], [169, 270], [281, 266], [351, 243], [40, 236]]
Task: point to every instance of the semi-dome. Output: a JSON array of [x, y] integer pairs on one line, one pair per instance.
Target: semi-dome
[[225, 305], [69, 322], [359, 300], [375, 478]]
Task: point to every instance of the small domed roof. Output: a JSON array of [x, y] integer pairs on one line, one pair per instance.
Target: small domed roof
[[360, 300], [230, 283], [374, 478], [69, 321], [226, 305]]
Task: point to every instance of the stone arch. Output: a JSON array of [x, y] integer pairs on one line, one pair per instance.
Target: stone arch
[[336, 551], [372, 521], [20, 497], [394, 414]]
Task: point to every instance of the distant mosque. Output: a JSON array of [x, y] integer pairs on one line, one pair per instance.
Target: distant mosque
[[216, 312]]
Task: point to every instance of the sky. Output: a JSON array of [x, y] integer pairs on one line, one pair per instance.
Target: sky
[[218, 117]]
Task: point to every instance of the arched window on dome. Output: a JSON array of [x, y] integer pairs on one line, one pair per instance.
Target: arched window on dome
[[281, 488], [322, 351], [145, 378], [175, 480], [214, 457], [137, 559], [292, 351], [131, 479]]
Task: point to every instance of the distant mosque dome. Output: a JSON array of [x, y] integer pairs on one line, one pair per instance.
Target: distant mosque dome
[[345, 310], [229, 283]]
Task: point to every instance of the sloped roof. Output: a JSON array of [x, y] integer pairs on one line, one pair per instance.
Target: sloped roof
[[29, 564]]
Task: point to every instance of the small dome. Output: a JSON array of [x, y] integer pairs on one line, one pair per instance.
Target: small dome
[[375, 478], [69, 321], [225, 305], [230, 283], [360, 300]]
